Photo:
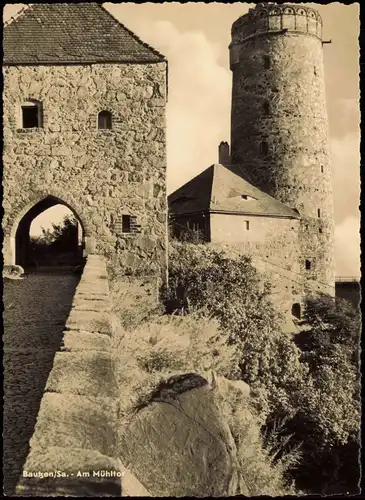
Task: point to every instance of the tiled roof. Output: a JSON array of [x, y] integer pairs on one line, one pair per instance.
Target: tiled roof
[[223, 189], [72, 33]]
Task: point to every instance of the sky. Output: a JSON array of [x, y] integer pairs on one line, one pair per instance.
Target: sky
[[195, 37]]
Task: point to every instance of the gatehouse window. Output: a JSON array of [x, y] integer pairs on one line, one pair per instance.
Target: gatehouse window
[[104, 120], [31, 116], [296, 310]]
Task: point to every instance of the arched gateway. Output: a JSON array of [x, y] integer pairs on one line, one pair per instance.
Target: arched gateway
[[112, 177]]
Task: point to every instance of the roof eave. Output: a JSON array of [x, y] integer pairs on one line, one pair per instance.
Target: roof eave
[[231, 212], [80, 63]]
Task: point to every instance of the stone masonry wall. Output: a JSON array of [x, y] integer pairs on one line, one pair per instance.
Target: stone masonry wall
[[273, 245], [76, 427], [100, 174], [279, 120]]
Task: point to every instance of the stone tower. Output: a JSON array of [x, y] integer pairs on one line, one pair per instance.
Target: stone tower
[[279, 129], [84, 126]]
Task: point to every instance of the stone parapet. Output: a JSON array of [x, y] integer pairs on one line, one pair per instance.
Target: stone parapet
[[73, 447], [268, 18]]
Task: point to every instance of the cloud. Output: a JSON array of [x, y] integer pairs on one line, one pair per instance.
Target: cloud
[[347, 247], [345, 156], [198, 111]]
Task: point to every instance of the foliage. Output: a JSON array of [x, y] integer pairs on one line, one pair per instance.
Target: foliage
[[329, 416], [162, 346], [62, 236], [311, 383]]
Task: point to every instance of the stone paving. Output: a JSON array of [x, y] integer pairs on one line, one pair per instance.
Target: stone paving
[[35, 312]]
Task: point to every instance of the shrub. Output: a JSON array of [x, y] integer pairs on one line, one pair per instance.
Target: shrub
[[310, 384], [165, 346]]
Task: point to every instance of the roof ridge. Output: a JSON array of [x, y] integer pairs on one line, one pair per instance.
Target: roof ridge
[[18, 14], [136, 37]]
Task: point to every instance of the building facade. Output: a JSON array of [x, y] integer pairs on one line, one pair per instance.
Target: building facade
[[280, 149], [85, 126]]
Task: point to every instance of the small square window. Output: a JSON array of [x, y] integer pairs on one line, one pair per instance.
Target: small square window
[[30, 117]]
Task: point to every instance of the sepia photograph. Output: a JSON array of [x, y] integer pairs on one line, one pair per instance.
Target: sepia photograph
[[181, 249]]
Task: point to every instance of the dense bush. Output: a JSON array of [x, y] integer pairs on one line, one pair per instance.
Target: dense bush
[[309, 386], [159, 346], [62, 238]]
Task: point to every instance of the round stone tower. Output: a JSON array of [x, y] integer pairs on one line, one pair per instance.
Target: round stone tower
[[279, 126]]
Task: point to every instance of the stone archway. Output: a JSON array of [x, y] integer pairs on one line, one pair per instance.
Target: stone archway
[[16, 234]]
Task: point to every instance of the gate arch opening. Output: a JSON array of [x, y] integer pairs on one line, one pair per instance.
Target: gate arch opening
[[68, 250]]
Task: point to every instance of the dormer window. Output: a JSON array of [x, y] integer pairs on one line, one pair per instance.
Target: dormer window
[[104, 120], [31, 115], [247, 197]]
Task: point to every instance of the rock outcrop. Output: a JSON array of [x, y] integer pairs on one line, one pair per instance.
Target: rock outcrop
[[178, 442]]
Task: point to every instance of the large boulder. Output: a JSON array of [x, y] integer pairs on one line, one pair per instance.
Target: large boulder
[[178, 442]]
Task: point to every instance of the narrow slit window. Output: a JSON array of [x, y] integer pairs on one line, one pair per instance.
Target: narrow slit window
[[266, 62], [104, 120], [247, 225], [264, 148], [322, 169], [296, 311], [308, 265], [31, 115], [126, 223], [319, 213]]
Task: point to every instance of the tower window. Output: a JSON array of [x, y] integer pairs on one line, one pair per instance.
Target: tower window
[[266, 107], [322, 169], [104, 120], [264, 148], [31, 115], [319, 213], [320, 230], [307, 265], [266, 62], [315, 71], [247, 225], [296, 311], [126, 223]]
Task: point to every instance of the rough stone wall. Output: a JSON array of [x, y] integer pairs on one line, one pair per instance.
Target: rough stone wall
[[273, 244], [75, 433], [279, 130], [100, 174]]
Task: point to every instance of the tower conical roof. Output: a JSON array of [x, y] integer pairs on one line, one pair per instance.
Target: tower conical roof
[[61, 33]]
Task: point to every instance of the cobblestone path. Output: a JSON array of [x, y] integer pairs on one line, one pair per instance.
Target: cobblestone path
[[35, 312]]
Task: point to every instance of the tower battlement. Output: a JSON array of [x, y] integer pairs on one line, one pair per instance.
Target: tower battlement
[[268, 18]]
